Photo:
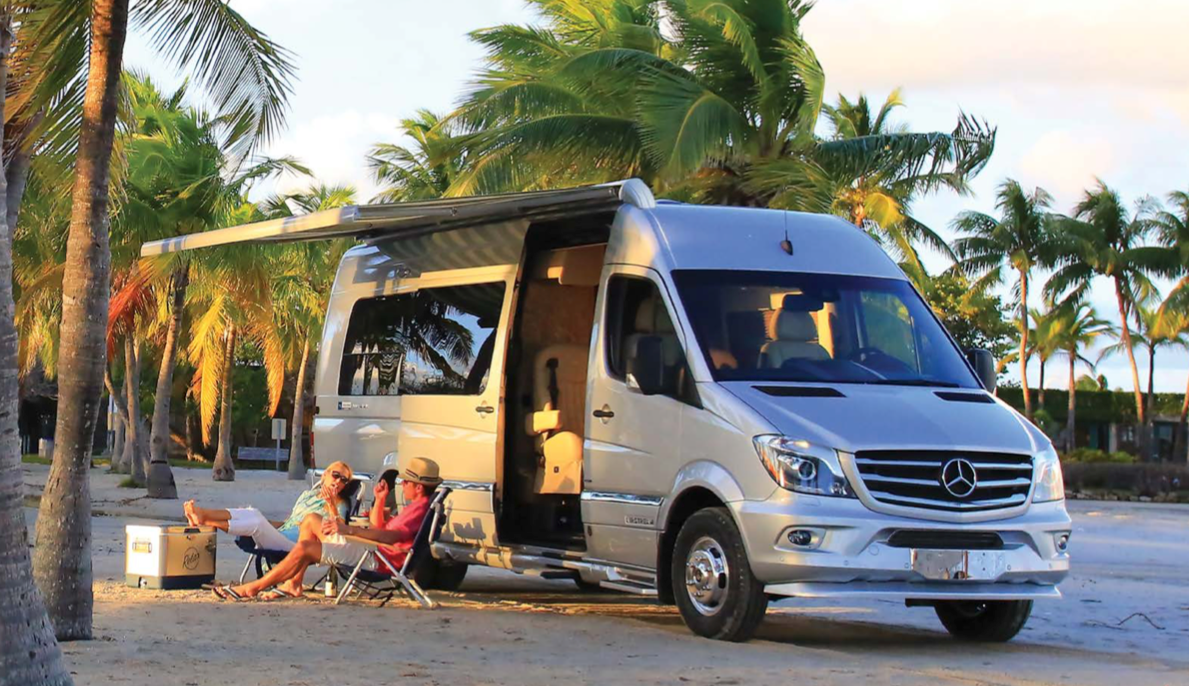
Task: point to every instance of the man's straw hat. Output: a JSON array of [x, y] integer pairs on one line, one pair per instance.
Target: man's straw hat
[[421, 470]]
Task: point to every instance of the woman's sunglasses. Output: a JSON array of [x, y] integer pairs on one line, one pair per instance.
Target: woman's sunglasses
[[339, 477]]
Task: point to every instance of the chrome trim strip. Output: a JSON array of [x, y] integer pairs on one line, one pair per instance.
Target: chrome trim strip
[[866, 461], [483, 486], [622, 498], [1017, 499]]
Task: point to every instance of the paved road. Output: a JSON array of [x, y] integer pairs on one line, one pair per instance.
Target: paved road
[[503, 628]]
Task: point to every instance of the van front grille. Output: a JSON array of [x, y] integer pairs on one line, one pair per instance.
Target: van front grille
[[979, 481], [946, 540]]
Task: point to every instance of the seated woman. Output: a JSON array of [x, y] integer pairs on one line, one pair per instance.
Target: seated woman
[[248, 521]]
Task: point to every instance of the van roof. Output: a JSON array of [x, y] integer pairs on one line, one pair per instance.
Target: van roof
[[717, 237]]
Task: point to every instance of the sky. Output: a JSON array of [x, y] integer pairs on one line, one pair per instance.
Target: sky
[[1078, 89]]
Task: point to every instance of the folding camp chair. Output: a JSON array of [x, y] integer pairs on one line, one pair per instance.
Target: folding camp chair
[[385, 584], [263, 558]]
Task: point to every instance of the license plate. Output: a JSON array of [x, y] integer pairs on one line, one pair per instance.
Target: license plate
[[959, 565]]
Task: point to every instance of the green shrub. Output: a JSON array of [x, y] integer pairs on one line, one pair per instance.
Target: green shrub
[[1138, 479], [1095, 456]]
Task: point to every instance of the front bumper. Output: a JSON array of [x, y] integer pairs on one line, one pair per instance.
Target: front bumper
[[850, 556]]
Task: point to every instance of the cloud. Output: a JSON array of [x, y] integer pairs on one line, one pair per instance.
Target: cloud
[[946, 44], [333, 147], [1066, 162]]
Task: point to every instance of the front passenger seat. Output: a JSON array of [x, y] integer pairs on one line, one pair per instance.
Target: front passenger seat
[[795, 338], [559, 398]]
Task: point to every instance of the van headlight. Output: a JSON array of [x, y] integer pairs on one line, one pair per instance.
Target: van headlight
[[802, 467], [1048, 484]]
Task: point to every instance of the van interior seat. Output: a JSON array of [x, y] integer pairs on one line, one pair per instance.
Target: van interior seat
[[794, 337], [559, 404], [653, 320]]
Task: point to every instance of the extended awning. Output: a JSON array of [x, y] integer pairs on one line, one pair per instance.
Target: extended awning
[[399, 220]]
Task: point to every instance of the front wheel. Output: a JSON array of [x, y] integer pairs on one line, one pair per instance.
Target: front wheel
[[987, 621], [716, 593]]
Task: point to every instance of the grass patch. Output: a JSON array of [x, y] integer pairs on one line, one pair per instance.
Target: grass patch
[[129, 482], [35, 459]]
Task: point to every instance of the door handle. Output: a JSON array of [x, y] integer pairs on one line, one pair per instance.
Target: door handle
[[603, 413], [485, 409]]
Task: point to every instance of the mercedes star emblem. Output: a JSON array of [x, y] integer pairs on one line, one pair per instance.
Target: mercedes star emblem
[[959, 477]]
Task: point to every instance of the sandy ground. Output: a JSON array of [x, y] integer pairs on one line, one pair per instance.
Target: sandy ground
[[503, 628]]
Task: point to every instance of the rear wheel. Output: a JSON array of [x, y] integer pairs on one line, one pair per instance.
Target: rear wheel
[[989, 621], [449, 576], [716, 593]]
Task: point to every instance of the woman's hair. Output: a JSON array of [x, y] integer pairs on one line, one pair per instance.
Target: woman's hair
[[341, 467]]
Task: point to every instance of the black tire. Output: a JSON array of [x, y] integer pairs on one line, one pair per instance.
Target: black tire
[[716, 593], [994, 621], [449, 576]]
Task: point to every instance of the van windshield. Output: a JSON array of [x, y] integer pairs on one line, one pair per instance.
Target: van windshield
[[825, 328]]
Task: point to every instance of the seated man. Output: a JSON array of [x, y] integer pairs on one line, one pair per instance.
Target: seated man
[[248, 521], [321, 540]]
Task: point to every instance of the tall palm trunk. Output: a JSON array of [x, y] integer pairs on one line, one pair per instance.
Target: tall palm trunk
[[296, 452], [161, 483], [62, 558], [1024, 343], [120, 425], [28, 652], [224, 469], [1125, 335], [1178, 452], [132, 443], [1070, 441], [17, 172], [1149, 433], [1040, 400]]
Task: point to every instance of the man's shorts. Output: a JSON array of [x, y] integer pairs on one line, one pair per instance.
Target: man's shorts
[[336, 550]]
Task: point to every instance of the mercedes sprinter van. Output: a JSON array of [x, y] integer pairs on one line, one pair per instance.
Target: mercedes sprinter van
[[714, 406]]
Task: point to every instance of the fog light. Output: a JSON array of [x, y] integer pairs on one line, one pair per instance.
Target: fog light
[[1062, 542], [800, 537]]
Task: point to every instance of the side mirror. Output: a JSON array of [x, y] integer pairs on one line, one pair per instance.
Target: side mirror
[[984, 366], [647, 368]]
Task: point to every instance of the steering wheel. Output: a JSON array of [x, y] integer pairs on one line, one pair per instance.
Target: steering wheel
[[861, 354]]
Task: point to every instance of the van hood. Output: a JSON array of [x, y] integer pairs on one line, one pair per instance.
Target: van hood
[[868, 417]]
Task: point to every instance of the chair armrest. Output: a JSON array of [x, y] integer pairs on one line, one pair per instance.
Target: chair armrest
[[542, 421], [362, 541]]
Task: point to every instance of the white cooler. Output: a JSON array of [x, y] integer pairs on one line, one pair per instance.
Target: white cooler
[[162, 556]]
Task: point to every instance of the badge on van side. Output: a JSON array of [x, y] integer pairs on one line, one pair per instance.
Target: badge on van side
[[639, 520]]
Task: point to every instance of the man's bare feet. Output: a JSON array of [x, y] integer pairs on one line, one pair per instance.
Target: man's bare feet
[[191, 517], [293, 589]]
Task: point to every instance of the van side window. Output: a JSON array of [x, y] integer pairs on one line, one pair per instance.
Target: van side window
[[435, 341], [636, 311]]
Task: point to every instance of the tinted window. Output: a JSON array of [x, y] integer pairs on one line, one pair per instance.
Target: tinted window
[[433, 341], [635, 310]]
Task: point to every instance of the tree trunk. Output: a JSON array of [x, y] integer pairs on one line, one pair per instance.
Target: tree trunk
[[1178, 452], [1024, 343], [120, 425], [1125, 335], [1041, 394], [132, 455], [296, 452], [161, 483], [29, 655], [17, 172], [1147, 428], [1070, 426], [62, 559], [224, 469]]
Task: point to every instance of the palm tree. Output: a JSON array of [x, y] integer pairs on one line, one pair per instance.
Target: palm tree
[[248, 76], [1018, 240], [29, 654], [302, 275], [424, 172], [1172, 325], [1077, 326], [1104, 239], [1173, 231], [1045, 339], [708, 101]]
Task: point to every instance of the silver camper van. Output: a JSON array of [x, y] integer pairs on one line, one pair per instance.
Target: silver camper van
[[714, 406]]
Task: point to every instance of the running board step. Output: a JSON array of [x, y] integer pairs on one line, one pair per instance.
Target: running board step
[[626, 586]]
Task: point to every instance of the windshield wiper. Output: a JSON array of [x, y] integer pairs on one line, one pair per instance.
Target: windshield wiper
[[914, 382]]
